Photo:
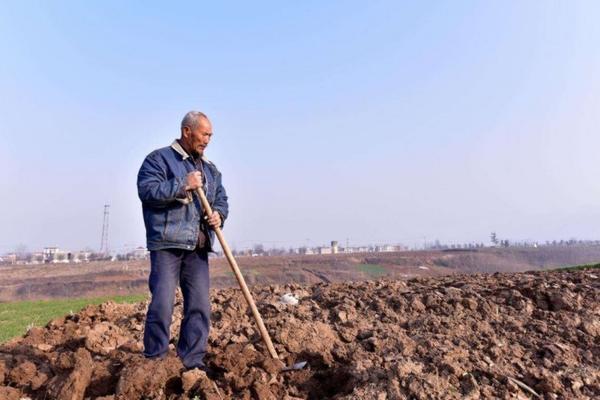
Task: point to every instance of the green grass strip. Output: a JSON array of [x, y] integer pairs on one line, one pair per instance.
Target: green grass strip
[[372, 270], [579, 267], [17, 317]]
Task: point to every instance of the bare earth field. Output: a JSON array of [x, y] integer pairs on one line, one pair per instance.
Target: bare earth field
[[462, 336], [33, 282]]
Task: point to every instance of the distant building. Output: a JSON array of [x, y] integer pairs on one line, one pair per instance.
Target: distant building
[[81, 256], [49, 253], [37, 258], [324, 250], [53, 255], [140, 253], [387, 248], [334, 247]]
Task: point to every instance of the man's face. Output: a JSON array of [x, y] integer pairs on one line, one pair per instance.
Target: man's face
[[196, 140]]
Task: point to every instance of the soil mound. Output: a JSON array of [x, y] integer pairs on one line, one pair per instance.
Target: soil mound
[[459, 337]]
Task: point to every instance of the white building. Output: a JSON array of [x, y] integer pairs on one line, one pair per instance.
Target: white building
[[325, 250], [81, 256], [387, 248], [54, 255], [140, 253]]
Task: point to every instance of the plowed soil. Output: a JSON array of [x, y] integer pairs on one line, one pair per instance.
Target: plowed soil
[[505, 336]]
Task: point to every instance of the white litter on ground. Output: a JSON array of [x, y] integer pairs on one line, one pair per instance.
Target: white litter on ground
[[289, 298]]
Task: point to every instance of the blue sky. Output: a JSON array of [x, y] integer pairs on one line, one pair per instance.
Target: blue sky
[[373, 122]]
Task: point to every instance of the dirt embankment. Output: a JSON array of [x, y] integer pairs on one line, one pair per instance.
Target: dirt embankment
[[463, 336], [31, 282]]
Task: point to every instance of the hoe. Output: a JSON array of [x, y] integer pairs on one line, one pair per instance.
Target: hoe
[[240, 278]]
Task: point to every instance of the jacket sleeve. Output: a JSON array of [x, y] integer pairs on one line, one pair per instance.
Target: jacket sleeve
[[154, 189], [220, 204]]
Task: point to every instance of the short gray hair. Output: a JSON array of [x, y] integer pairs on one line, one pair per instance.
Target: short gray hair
[[191, 119]]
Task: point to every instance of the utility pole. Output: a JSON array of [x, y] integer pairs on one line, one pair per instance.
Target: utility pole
[[104, 240]]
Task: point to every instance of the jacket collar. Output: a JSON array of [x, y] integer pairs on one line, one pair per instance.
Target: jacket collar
[[184, 155], [179, 149]]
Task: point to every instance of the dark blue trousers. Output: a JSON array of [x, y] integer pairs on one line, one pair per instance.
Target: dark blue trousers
[[190, 269]]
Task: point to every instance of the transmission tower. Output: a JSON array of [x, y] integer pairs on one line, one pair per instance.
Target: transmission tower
[[104, 240]]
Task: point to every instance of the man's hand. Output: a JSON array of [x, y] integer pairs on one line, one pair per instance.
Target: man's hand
[[214, 220], [193, 180]]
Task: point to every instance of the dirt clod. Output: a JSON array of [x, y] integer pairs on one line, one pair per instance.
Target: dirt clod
[[72, 385], [9, 393], [23, 373]]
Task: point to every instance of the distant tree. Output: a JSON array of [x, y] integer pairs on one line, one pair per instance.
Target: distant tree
[[21, 252], [98, 257], [494, 239], [258, 249], [20, 249], [505, 243], [276, 251]]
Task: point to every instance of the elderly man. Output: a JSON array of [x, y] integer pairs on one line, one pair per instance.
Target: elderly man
[[179, 237]]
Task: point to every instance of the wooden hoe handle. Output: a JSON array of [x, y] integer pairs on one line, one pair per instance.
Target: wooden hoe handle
[[240, 278]]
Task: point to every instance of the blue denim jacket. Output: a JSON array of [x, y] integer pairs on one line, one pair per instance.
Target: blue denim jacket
[[171, 214]]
